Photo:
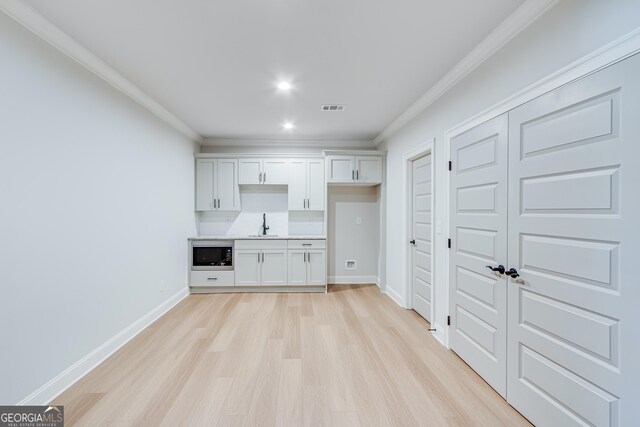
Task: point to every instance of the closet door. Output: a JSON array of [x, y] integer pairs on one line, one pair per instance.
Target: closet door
[[573, 327], [479, 239]]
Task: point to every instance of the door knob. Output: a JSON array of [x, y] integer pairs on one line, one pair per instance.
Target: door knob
[[413, 242], [499, 269], [513, 273]]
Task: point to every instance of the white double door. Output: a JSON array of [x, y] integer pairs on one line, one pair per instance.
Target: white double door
[[550, 190]]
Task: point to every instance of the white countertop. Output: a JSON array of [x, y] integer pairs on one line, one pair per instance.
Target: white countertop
[[267, 237]]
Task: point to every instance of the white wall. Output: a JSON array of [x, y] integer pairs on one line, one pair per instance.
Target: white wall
[[96, 201], [568, 32], [349, 240]]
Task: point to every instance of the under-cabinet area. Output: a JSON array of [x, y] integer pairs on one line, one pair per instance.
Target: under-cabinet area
[[274, 222]]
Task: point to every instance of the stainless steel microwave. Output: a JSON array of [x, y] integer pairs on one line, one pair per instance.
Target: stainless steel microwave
[[208, 255]]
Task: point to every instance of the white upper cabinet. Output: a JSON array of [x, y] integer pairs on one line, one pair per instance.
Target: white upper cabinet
[[341, 168], [250, 171], [205, 171], [264, 171], [275, 171], [369, 169], [217, 185], [354, 169], [297, 185], [306, 184]]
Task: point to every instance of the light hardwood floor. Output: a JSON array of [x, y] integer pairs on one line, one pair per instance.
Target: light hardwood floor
[[349, 357]]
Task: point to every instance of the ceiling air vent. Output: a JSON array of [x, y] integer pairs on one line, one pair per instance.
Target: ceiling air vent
[[332, 107]]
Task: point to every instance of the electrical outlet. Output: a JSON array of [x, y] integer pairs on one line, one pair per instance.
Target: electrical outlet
[[358, 220], [350, 264]]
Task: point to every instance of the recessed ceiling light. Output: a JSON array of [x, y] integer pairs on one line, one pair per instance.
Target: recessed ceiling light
[[284, 86], [287, 125]]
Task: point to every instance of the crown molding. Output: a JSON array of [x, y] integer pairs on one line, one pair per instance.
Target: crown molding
[[24, 14], [321, 144], [520, 19]]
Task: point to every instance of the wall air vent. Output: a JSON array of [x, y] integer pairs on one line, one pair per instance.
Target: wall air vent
[[332, 107]]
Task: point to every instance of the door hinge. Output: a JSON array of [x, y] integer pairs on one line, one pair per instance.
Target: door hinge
[[448, 320], [449, 243], [449, 164]]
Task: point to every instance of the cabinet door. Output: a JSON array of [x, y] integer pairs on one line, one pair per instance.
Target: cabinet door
[[275, 171], [341, 168], [316, 267], [369, 169], [205, 171], [247, 267], [227, 191], [298, 267], [315, 184], [297, 185], [250, 171], [274, 267]]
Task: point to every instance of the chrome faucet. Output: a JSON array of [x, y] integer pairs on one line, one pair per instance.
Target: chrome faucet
[[264, 224]]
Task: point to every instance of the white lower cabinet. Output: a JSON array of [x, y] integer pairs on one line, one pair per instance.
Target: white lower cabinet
[[212, 278], [307, 263], [247, 267], [261, 263]]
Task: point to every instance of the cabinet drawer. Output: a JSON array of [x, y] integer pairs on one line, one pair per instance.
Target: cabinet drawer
[[212, 278], [307, 244], [260, 244]]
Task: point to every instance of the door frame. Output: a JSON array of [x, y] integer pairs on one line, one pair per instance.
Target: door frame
[[424, 149], [612, 53]]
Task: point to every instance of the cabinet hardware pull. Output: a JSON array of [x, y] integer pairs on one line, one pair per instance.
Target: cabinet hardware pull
[[262, 256], [352, 174], [264, 177], [258, 256], [306, 244], [357, 175], [212, 278], [259, 177], [304, 203], [218, 203], [308, 204]]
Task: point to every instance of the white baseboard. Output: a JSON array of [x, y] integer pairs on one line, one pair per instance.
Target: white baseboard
[[396, 297], [48, 392], [353, 280]]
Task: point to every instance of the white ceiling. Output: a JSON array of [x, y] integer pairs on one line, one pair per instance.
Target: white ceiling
[[215, 64]]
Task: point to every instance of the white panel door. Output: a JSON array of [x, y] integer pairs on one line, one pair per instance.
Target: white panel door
[[275, 171], [274, 267], [297, 191], [205, 171], [369, 169], [227, 191], [341, 168], [479, 239], [297, 265], [246, 265], [315, 184], [421, 236], [250, 171], [574, 178], [316, 267]]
